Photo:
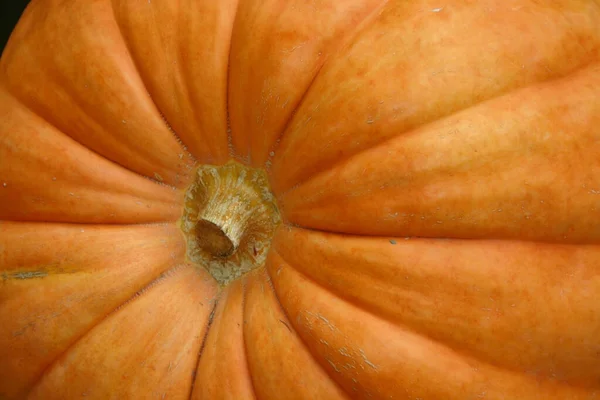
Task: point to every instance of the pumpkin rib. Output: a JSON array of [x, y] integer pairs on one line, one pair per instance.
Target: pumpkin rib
[[473, 352], [361, 306], [347, 158], [160, 279], [472, 374], [17, 98], [275, 348], [325, 290], [203, 344], [172, 309], [255, 122], [92, 223], [62, 280], [90, 188], [361, 87], [145, 85], [225, 352], [187, 78], [293, 329], [277, 142], [400, 237], [229, 133], [343, 297], [107, 135], [499, 179], [342, 42], [150, 178], [116, 224]]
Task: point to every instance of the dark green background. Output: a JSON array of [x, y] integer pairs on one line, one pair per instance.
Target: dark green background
[[10, 11]]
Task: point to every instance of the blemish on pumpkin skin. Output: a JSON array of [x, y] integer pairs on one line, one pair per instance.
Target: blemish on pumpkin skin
[[22, 275], [22, 331]]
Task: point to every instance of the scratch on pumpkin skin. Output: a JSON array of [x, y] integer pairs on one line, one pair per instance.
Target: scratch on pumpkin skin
[[349, 366], [366, 360], [333, 365], [327, 322], [343, 351]]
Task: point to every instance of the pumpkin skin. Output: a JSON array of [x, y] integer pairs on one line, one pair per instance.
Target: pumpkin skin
[[437, 168]]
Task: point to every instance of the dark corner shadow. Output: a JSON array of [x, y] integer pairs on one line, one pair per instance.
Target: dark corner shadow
[[10, 12]]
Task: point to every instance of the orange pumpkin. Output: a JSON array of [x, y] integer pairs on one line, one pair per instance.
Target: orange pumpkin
[[357, 199]]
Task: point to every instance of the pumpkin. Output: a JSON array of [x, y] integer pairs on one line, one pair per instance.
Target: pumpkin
[[267, 199]]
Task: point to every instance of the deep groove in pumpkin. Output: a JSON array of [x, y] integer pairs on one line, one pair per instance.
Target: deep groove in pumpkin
[[158, 280], [347, 159], [290, 326], [209, 323], [183, 146], [69, 137], [230, 148], [368, 18], [361, 306], [244, 341]]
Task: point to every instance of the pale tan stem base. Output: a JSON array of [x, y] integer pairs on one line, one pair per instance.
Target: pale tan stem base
[[229, 218]]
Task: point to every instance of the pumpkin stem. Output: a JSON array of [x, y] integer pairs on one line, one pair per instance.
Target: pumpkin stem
[[226, 216], [229, 218]]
